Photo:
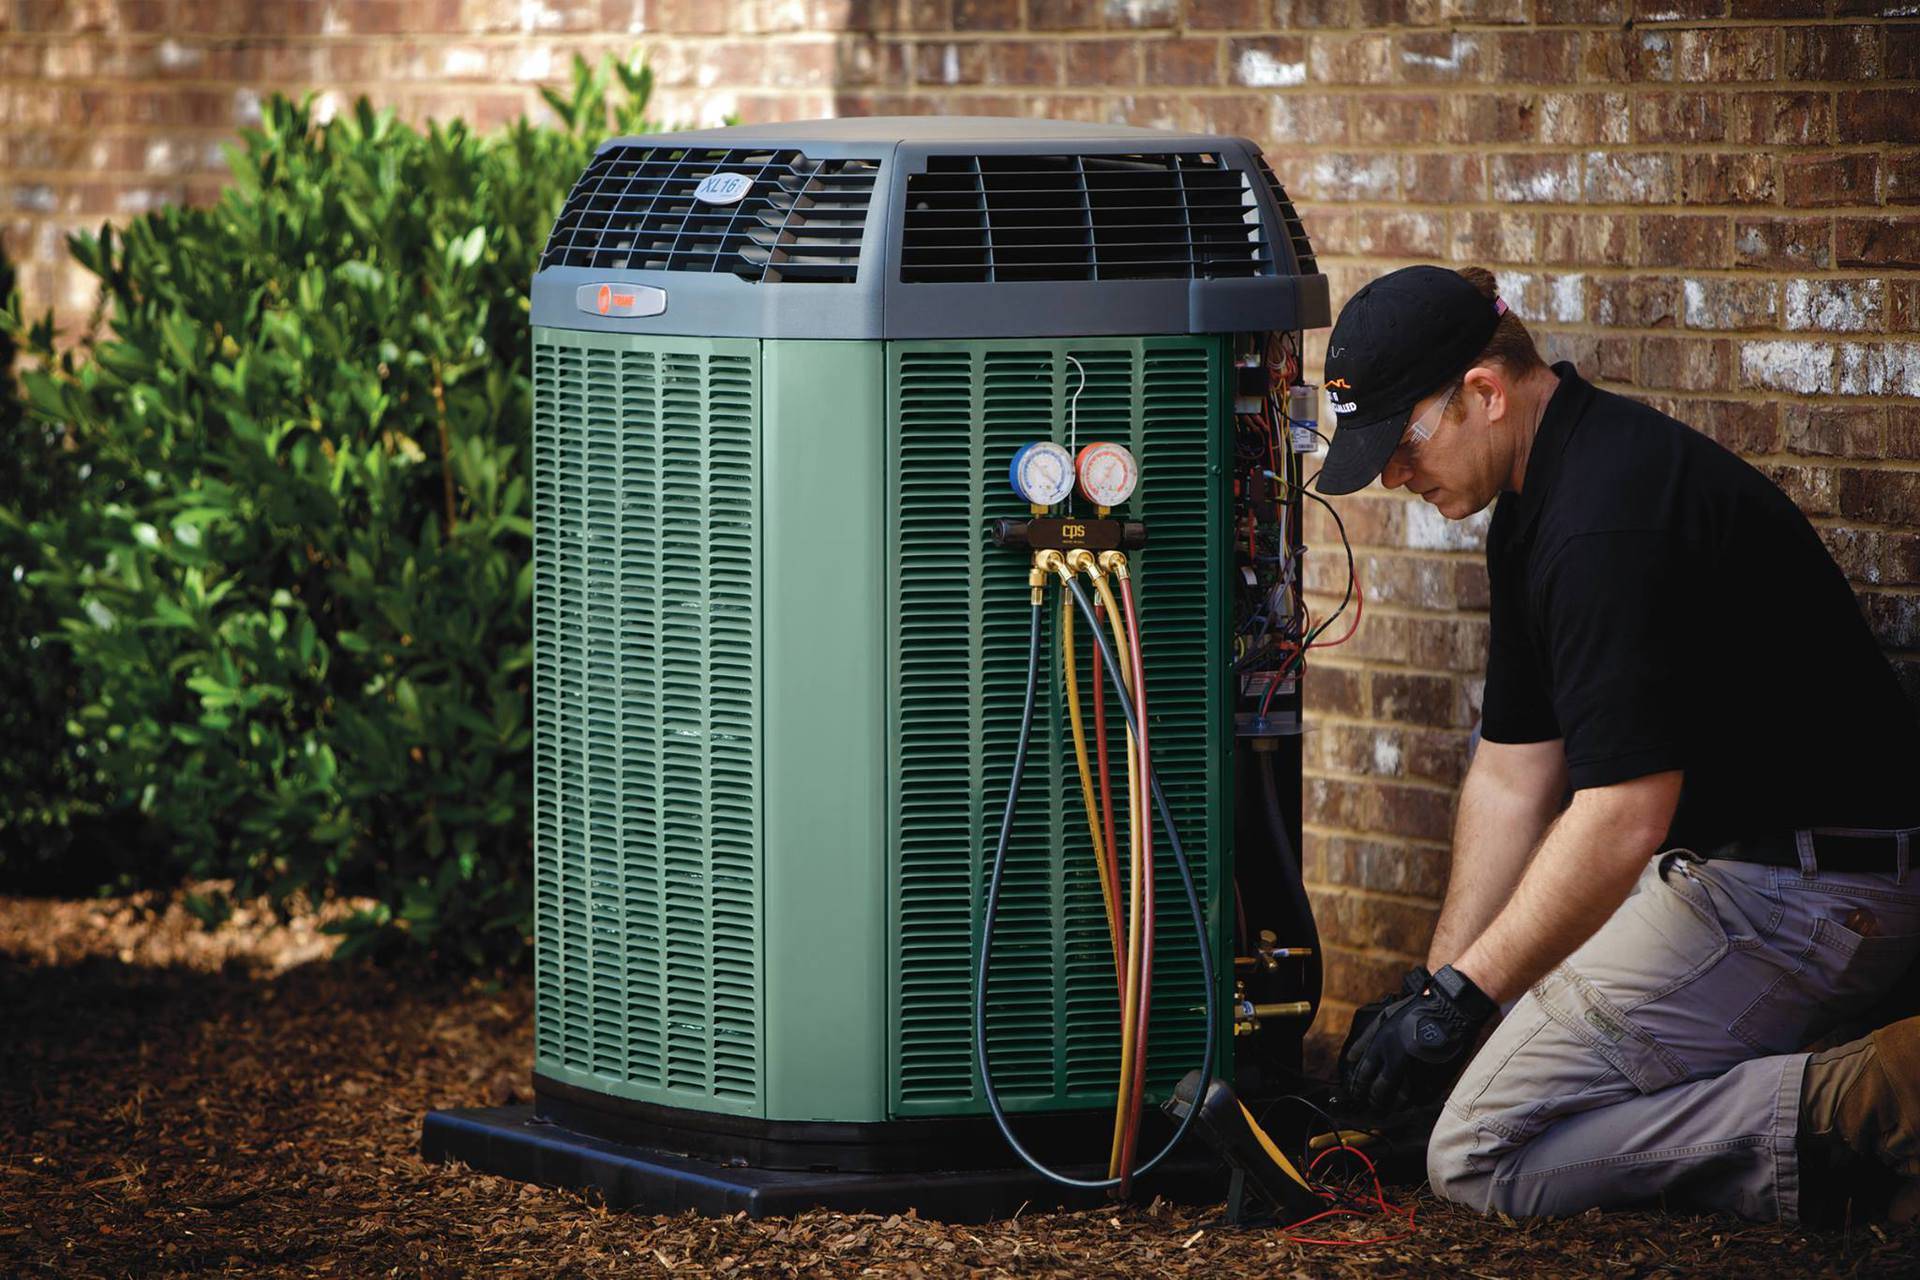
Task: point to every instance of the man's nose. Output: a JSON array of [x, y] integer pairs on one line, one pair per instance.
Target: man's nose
[[1395, 474]]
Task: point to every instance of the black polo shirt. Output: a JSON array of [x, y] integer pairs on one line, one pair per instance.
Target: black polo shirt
[[1659, 604]]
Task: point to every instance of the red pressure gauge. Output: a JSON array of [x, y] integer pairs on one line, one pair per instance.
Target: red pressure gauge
[[1107, 473]]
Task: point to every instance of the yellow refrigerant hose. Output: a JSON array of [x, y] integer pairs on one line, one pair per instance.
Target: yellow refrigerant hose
[[1109, 892], [1125, 1116]]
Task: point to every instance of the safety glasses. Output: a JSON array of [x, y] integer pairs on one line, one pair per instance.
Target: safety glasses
[[1422, 429]]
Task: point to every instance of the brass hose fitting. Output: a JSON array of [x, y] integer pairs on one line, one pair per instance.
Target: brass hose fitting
[[1080, 560], [1244, 1023], [1052, 561], [1247, 1015], [1037, 579], [1283, 1009], [1114, 562]]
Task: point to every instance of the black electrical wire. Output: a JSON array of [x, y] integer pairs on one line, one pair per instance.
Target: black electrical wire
[[1335, 1128], [1345, 599], [1292, 874], [993, 904]]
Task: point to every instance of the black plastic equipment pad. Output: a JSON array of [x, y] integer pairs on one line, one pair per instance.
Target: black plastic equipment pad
[[511, 1143]]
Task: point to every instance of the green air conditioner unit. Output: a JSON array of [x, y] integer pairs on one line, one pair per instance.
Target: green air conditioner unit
[[779, 373]]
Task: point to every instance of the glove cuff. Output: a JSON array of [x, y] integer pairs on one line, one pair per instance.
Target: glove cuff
[[1473, 1003]]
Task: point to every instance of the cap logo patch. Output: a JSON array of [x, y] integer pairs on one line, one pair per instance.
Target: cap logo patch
[[1343, 406], [1339, 384]]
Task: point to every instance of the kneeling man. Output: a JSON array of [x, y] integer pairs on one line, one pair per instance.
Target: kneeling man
[[1731, 880]]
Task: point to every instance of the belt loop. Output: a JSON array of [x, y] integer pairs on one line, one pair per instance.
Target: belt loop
[[1900, 840], [1803, 843]]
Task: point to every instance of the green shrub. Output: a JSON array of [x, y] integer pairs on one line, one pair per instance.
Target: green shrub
[[294, 583], [56, 812]]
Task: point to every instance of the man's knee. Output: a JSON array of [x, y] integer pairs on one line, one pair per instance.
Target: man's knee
[[1451, 1168]]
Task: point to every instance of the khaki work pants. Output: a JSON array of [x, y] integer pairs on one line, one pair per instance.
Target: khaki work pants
[[1662, 1062]]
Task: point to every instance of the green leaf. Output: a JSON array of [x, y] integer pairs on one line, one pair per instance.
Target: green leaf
[[468, 248]]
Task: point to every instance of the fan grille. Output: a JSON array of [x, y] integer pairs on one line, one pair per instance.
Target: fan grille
[[802, 219], [1177, 215]]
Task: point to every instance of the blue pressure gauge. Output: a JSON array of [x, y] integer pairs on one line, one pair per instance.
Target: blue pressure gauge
[[1042, 473]]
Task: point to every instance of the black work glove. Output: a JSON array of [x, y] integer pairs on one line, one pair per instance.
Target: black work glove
[[1366, 1015], [1411, 1051]]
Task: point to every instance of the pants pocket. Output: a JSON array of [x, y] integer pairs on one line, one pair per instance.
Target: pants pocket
[[1838, 973], [1586, 1013]]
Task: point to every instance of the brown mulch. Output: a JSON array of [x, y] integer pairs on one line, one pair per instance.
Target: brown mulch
[[177, 1102]]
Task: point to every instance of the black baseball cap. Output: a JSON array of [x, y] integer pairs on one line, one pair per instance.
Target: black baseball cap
[[1402, 337]]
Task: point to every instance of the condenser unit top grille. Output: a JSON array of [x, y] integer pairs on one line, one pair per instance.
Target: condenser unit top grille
[[1180, 215], [928, 227], [640, 208], [1296, 230]]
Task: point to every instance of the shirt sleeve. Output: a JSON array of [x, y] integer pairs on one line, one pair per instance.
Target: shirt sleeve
[[1517, 706], [1612, 615]]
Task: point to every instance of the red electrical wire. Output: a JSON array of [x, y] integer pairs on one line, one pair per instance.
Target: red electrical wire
[[1279, 678], [1144, 961], [1377, 1200], [1359, 607], [1313, 642]]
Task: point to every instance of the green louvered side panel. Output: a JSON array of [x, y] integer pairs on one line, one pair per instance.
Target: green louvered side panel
[[1184, 558], [958, 655], [647, 841]]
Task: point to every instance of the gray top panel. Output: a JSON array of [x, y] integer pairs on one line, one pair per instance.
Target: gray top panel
[[893, 293], [977, 132]]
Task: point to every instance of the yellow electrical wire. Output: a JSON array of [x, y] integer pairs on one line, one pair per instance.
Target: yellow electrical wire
[[1109, 892], [1272, 1148], [1136, 906]]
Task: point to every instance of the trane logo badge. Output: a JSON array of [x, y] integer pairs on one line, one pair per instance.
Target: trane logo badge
[[722, 188], [621, 299]]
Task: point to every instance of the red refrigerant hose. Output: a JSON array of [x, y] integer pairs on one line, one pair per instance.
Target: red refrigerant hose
[[1146, 941]]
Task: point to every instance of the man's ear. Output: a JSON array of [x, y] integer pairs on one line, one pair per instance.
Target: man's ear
[[1487, 385]]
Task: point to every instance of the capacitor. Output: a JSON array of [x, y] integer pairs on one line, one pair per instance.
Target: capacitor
[[1303, 416]]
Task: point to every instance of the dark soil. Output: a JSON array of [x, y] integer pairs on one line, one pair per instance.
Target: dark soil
[[174, 1102]]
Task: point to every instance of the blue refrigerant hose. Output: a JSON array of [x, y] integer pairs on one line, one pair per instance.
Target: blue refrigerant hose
[[993, 904]]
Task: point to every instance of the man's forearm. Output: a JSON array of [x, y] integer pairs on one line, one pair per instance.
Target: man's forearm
[[1585, 868], [1495, 830]]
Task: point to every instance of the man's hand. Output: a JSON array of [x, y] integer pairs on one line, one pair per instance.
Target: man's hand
[[1367, 1014], [1414, 1047]]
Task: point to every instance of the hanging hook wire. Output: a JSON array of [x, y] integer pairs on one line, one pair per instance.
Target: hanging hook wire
[[1073, 423]]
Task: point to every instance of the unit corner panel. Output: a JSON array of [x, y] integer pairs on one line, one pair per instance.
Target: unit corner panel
[[647, 827]]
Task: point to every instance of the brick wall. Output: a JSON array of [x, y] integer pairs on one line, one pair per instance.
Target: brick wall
[[1711, 204]]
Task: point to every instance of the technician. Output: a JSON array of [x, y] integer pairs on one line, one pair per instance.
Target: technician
[[1732, 879]]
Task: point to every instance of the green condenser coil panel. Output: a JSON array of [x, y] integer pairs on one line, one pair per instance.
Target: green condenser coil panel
[[779, 374], [648, 840], [957, 651]]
